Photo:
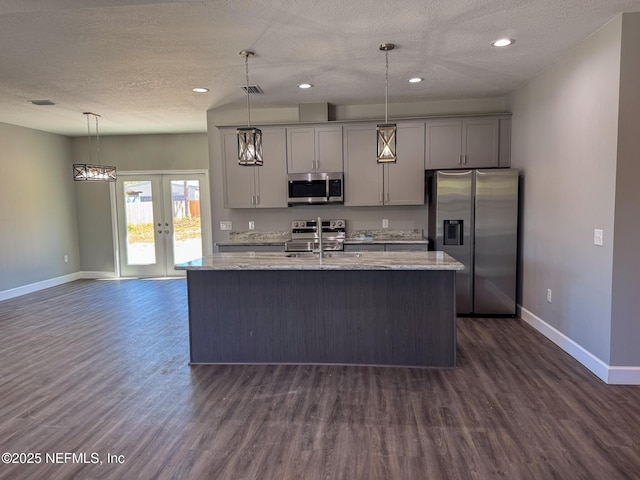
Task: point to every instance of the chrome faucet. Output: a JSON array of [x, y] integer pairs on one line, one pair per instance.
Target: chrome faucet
[[319, 227]]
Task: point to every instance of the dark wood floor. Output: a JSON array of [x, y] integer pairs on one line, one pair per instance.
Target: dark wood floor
[[101, 367]]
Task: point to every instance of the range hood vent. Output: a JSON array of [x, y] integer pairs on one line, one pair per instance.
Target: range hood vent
[[252, 89]]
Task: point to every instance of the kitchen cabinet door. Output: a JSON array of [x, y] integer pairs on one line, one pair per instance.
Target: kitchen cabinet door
[[256, 187], [363, 176], [329, 149], [271, 178], [480, 143], [406, 247], [364, 247], [404, 180], [462, 143], [314, 149], [238, 180], [443, 144]]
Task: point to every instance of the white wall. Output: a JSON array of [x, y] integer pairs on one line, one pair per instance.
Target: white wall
[[38, 222], [565, 130]]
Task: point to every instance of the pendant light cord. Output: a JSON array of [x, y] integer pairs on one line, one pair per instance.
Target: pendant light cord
[[89, 136], [246, 62], [386, 85], [95, 115]]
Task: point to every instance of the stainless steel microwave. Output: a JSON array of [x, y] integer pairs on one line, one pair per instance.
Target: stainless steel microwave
[[315, 188]]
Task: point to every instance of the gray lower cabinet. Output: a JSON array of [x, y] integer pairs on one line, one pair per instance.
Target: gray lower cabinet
[[256, 187], [415, 247], [386, 247], [365, 247], [250, 248], [368, 183]]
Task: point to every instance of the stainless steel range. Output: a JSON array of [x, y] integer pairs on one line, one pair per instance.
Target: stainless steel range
[[305, 235]]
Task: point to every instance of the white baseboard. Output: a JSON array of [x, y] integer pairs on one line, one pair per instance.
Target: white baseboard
[[97, 275], [34, 287], [611, 375], [52, 282]]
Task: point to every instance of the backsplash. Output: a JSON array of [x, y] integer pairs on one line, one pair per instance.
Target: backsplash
[[387, 234]]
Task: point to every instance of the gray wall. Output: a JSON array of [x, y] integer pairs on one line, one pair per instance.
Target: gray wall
[[358, 217], [565, 140], [625, 312], [38, 222], [128, 153]]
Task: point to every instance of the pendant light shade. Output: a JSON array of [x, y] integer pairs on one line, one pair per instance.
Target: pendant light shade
[[386, 132], [89, 172], [249, 138]]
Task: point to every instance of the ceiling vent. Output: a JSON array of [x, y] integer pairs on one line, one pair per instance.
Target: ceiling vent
[[252, 89], [42, 102]]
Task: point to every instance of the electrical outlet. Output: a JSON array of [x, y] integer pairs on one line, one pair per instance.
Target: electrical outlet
[[227, 225], [549, 293], [66, 259], [252, 225], [597, 236], [385, 223]]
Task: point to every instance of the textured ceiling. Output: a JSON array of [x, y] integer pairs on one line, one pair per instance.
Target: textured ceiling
[[135, 62]]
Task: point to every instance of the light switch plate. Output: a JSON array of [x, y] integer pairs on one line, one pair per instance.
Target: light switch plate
[[385, 223], [597, 236], [227, 225], [252, 225]]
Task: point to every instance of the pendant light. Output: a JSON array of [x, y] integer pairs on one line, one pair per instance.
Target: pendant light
[[89, 172], [249, 138], [386, 131]]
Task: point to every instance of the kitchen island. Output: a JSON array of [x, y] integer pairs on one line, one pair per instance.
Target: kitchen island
[[369, 308]]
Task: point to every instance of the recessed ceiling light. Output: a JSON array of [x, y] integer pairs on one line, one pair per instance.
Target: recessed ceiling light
[[201, 90], [415, 80], [305, 85], [503, 42]]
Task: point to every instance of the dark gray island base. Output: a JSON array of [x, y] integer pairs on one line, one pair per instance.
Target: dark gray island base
[[330, 315]]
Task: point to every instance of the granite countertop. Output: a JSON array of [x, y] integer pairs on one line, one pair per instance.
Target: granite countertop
[[256, 238], [331, 261], [386, 236]]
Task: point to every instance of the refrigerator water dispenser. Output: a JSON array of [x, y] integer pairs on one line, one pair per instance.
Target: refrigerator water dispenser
[[453, 232]]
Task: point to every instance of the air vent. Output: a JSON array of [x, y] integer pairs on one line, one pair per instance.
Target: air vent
[[253, 89], [42, 102]]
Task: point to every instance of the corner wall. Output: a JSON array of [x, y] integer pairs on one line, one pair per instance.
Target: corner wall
[[625, 311], [565, 127], [38, 222]]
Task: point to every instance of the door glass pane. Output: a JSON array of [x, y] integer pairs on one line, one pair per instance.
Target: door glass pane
[[187, 230], [138, 202]]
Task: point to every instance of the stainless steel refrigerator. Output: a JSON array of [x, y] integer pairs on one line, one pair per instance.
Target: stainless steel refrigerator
[[473, 216]]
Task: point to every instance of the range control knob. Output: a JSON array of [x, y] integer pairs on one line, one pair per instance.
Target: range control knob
[[339, 223]]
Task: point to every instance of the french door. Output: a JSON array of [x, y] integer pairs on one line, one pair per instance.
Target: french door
[[163, 219]]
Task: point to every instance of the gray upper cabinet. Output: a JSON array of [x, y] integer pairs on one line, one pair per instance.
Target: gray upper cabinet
[[462, 143], [314, 149], [255, 187], [368, 183]]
